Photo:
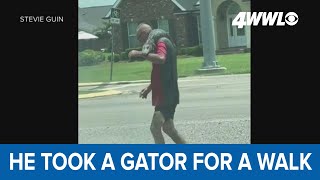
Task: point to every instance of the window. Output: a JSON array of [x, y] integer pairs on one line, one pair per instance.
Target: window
[[234, 9], [240, 32], [132, 39], [231, 27], [163, 24]]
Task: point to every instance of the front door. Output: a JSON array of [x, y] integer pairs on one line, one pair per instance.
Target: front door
[[236, 36]]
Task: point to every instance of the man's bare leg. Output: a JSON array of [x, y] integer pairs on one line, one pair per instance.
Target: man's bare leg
[[156, 124], [171, 131]]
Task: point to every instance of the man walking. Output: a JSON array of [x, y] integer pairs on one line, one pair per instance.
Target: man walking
[[161, 52]]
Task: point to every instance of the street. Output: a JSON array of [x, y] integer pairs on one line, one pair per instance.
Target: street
[[212, 110]]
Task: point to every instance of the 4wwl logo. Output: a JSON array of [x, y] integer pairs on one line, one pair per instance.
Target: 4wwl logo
[[267, 18]]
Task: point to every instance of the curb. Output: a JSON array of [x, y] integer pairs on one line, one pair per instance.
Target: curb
[[111, 83], [99, 94], [148, 81]]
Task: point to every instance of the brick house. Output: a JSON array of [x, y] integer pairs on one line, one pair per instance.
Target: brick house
[[181, 18]]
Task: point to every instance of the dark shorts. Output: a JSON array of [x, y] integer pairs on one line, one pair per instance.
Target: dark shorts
[[167, 111]]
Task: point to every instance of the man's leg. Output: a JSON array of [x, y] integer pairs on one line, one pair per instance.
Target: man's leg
[[156, 124], [168, 128]]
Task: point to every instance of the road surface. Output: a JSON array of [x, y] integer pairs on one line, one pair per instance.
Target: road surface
[[212, 110]]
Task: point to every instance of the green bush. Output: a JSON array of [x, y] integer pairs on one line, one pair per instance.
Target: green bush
[[116, 57], [185, 51], [90, 57], [191, 51], [123, 56], [197, 51], [109, 58], [181, 51]]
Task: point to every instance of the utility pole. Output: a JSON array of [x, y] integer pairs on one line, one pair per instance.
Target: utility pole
[[115, 20], [210, 63]]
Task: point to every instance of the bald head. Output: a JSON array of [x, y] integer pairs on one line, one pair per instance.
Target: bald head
[[143, 31], [143, 27]]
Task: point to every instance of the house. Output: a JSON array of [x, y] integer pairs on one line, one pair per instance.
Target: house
[[181, 18], [90, 20]]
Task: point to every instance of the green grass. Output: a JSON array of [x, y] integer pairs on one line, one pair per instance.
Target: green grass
[[125, 71], [84, 92]]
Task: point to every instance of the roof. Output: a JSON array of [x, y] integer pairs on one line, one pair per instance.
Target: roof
[[84, 25], [183, 5], [186, 5], [90, 18], [85, 35], [190, 5]]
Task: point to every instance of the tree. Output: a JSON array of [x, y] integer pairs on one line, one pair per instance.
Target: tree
[[103, 32]]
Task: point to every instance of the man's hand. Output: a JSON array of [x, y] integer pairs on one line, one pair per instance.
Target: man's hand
[[144, 92], [135, 53]]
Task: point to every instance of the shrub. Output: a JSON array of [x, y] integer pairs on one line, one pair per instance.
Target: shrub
[[197, 51], [90, 57], [183, 51], [191, 51], [123, 56], [115, 56]]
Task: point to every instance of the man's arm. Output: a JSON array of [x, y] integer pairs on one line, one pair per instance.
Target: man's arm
[[158, 58], [144, 92], [149, 88], [155, 58]]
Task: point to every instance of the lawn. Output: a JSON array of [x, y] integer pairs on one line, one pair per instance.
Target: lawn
[[125, 71]]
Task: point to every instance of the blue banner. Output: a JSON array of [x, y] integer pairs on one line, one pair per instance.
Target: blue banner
[[160, 162]]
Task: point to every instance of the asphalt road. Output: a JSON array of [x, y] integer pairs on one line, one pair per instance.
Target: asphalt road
[[212, 110]]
